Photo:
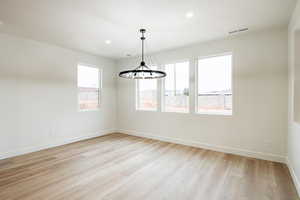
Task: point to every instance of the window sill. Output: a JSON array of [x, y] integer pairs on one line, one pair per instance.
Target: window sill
[[140, 110], [214, 112], [89, 110], [174, 112]]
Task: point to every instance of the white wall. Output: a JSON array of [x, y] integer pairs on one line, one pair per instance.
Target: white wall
[[258, 126], [294, 127], [38, 96]]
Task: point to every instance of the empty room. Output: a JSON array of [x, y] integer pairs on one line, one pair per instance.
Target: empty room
[[149, 100]]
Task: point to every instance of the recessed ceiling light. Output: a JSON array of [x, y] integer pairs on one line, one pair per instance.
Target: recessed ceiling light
[[189, 15], [107, 41]]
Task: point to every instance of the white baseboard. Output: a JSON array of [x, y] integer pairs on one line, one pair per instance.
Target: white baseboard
[[31, 149], [224, 149], [293, 174]]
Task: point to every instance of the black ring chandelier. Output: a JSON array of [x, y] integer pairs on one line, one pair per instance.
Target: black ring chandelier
[[142, 71]]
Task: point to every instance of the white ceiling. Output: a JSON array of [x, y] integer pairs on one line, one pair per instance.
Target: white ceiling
[[86, 24]]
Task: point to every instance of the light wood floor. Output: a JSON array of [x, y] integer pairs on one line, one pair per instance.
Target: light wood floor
[[122, 167]]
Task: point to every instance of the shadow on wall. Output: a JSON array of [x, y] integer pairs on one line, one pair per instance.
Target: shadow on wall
[[297, 78]]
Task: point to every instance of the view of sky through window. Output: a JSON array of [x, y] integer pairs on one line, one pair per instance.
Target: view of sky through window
[[214, 74], [88, 77]]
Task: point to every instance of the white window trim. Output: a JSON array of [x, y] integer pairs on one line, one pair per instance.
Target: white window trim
[[162, 93], [213, 112], [100, 87]]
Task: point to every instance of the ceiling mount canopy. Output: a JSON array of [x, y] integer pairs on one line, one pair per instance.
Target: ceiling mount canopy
[[142, 71]]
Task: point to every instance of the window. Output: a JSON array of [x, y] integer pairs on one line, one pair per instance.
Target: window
[[214, 85], [176, 88], [88, 87], [146, 94]]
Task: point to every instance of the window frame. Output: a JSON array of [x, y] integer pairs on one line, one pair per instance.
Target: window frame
[[162, 93], [229, 53], [137, 96], [100, 75]]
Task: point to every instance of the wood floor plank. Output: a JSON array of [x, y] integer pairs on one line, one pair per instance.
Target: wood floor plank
[[119, 166]]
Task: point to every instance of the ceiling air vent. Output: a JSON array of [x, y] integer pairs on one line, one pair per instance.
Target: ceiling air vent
[[238, 31]]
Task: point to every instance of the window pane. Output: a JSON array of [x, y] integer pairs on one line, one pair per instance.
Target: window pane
[[88, 87], [147, 94], [176, 91], [170, 80], [214, 84], [182, 78], [88, 77]]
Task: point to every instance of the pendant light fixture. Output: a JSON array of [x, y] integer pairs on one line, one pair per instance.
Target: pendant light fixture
[[142, 71]]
